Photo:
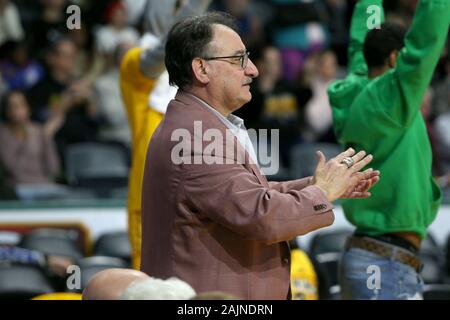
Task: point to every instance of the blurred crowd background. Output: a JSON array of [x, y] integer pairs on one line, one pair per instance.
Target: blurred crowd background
[[60, 99], [64, 132]]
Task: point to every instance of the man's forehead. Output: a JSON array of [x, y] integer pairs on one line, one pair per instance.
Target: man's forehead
[[226, 38]]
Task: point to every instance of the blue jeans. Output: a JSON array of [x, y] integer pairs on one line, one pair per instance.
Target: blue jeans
[[366, 275]]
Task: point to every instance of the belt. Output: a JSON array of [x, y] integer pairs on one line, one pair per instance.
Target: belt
[[385, 250]]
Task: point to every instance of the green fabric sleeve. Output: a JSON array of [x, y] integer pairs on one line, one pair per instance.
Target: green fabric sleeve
[[418, 59]]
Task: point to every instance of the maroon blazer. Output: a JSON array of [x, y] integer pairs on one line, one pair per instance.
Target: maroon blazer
[[220, 226]]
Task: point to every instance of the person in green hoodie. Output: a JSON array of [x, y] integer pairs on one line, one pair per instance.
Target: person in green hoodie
[[376, 108]]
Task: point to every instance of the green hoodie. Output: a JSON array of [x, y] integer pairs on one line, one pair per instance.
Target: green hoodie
[[382, 116]]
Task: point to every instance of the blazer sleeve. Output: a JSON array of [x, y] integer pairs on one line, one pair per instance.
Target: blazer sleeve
[[286, 186], [233, 197]]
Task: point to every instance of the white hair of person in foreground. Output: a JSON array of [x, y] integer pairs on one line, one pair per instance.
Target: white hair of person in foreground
[[158, 289]]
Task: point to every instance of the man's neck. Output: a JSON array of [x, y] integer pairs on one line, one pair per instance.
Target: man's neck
[[376, 72], [210, 101]]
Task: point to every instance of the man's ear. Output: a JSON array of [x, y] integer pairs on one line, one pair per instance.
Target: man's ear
[[392, 60], [200, 70]]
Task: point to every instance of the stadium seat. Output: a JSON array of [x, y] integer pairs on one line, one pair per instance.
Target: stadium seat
[[433, 260], [113, 244], [304, 159], [326, 250], [96, 165], [437, 292], [447, 257], [53, 242], [327, 269], [429, 245], [91, 265], [23, 282], [432, 272], [330, 241]]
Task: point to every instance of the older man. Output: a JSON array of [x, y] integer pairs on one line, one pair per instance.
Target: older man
[[210, 217], [142, 75]]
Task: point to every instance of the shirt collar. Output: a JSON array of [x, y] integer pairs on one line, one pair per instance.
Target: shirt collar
[[234, 121]]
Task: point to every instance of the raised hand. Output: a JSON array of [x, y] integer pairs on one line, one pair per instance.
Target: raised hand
[[371, 177], [340, 175]]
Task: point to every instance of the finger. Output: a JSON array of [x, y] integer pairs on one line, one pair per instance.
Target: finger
[[320, 159], [374, 181], [364, 195], [373, 174], [371, 182], [360, 155], [367, 174], [357, 195], [361, 164], [360, 195], [347, 153], [363, 185]]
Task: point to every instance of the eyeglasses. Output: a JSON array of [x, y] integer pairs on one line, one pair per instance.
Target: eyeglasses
[[243, 59]]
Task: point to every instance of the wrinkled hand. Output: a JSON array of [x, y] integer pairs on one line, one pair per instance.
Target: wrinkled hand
[[335, 179], [360, 191]]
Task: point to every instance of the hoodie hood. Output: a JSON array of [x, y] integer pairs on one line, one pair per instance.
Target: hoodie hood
[[341, 94]]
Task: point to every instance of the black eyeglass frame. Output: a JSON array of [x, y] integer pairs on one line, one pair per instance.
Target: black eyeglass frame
[[243, 58]]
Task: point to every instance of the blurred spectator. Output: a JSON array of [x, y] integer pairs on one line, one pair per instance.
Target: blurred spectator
[[88, 63], [336, 13], [63, 100], [27, 153], [318, 111], [117, 30], [442, 145], [441, 100], [55, 264], [297, 31], [250, 26], [10, 24], [2, 86], [17, 70], [274, 104], [110, 104], [45, 96], [6, 191], [135, 9], [49, 26], [426, 111], [304, 279]]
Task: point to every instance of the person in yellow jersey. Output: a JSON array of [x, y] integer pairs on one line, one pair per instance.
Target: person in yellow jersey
[[304, 279], [145, 92]]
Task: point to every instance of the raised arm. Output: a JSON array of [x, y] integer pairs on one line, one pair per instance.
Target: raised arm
[[418, 59], [364, 10]]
